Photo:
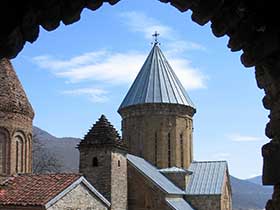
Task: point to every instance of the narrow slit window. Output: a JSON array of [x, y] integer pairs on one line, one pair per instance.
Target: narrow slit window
[[182, 150], [156, 143], [169, 150], [95, 162]]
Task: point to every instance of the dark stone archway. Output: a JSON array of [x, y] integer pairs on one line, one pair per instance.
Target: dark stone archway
[[250, 25]]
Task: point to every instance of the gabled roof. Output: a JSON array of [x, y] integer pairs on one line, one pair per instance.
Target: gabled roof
[[178, 204], [156, 83], [41, 189], [207, 178], [154, 175], [12, 96]]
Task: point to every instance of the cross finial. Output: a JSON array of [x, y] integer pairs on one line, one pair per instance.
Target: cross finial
[[156, 35]]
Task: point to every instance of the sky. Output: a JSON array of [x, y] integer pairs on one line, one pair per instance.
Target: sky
[[76, 73]]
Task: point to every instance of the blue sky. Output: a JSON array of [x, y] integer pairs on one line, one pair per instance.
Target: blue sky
[[78, 72]]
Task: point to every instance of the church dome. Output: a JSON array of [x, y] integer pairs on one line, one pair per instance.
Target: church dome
[[156, 83], [12, 96]]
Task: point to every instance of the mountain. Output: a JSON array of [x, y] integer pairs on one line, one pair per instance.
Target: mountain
[[247, 194], [255, 180], [63, 149]]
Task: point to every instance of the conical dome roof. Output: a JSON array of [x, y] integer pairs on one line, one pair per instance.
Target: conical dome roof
[[156, 83], [102, 132], [12, 96]]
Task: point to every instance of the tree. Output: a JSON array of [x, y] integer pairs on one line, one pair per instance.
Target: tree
[[44, 160]]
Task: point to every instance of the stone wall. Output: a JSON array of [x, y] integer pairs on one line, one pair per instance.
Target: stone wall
[[146, 129], [109, 177], [119, 181], [79, 198], [99, 176], [16, 115], [22, 207], [142, 194], [15, 127], [204, 202], [226, 198]]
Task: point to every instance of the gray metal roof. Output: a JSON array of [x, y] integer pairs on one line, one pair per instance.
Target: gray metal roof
[[178, 204], [154, 175], [156, 83], [207, 178]]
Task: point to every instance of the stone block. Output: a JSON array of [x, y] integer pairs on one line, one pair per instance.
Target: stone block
[[271, 160]]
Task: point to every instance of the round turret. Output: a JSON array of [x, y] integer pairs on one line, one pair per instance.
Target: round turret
[[16, 115]]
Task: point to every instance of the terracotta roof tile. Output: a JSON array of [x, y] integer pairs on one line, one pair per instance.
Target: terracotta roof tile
[[34, 189]]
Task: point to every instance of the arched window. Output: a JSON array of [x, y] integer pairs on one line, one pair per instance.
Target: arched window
[[119, 163], [156, 145], [182, 150], [169, 150], [19, 153], [95, 162], [2, 153]]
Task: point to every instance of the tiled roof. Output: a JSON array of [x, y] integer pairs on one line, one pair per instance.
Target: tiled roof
[[102, 132], [207, 177], [178, 204], [12, 96], [154, 175], [156, 83], [34, 189]]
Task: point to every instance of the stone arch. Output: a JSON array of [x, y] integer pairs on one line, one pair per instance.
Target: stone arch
[[4, 150], [19, 148], [29, 152]]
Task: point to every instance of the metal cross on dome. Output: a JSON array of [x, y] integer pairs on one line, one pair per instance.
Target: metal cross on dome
[[156, 35]]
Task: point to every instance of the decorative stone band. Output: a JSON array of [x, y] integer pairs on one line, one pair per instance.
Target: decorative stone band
[[14, 121], [157, 109]]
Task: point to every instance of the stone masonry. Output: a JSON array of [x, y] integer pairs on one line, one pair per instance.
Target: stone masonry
[[16, 115], [142, 194], [79, 198], [160, 133], [103, 162]]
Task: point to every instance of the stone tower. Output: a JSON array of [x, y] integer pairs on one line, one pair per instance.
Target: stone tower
[[16, 115], [103, 162], [157, 115]]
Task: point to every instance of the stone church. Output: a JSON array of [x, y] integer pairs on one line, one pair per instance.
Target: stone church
[[150, 167]]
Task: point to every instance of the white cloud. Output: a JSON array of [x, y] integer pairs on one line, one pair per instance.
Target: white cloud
[[52, 63], [140, 22], [191, 78], [115, 68], [243, 138], [95, 95], [122, 67]]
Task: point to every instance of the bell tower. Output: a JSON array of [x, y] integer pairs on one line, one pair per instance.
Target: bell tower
[[157, 115], [16, 116], [103, 162]]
